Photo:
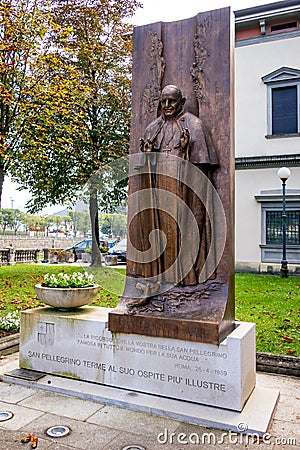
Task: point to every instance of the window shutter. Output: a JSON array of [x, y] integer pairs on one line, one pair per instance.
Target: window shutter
[[284, 110]]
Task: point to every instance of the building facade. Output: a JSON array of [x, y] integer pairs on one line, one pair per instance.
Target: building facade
[[267, 79]]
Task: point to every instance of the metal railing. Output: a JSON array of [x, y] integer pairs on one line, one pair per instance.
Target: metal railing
[[5, 256], [9, 256]]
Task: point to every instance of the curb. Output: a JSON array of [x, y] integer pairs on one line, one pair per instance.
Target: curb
[[281, 364], [265, 362], [9, 344]]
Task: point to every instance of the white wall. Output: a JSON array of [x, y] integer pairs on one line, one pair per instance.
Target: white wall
[[248, 212], [252, 63]]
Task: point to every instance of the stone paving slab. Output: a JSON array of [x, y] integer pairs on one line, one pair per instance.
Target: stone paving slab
[[287, 385], [9, 362], [84, 436], [147, 443], [12, 393], [60, 447], [10, 440], [137, 422], [22, 416], [287, 407], [285, 429], [71, 407]]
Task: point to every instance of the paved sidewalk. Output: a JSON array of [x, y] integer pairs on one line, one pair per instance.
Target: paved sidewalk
[[96, 426]]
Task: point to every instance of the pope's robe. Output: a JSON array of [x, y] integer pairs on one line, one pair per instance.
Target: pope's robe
[[164, 207]]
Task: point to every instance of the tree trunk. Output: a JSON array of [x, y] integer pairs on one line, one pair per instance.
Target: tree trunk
[[96, 254]]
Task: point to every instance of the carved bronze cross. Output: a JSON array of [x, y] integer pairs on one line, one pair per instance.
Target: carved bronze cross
[[167, 150]]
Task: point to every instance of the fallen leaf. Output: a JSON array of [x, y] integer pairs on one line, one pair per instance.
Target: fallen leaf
[[34, 441], [286, 338], [26, 438]]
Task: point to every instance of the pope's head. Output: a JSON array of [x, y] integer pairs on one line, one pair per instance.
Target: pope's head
[[171, 101]]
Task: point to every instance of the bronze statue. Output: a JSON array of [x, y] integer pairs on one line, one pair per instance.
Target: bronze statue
[[180, 258], [175, 135]]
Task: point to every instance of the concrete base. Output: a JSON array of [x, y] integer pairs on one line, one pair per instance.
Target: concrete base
[[78, 345], [254, 419], [200, 383]]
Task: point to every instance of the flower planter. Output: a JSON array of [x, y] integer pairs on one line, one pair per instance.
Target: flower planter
[[111, 260], [86, 257], [70, 257], [57, 255], [66, 298]]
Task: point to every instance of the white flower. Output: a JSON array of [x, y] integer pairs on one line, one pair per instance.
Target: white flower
[[11, 321], [77, 279]]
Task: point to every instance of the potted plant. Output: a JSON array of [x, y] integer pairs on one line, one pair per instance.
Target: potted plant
[[87, 256], [67, 291], [70, 256], [57, 255]]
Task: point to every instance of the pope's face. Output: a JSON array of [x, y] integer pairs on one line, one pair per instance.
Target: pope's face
[[171, 103]]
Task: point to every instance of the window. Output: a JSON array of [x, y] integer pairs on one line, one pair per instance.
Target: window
[[284, 110], [274, 227], [271, 225], [284, 27], [283, 102]]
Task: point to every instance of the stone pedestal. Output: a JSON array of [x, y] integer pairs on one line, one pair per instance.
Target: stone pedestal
[[78, 345]]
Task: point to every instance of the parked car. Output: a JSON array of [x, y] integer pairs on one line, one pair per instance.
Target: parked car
[[82, 246], [119, 250], [111, 243]]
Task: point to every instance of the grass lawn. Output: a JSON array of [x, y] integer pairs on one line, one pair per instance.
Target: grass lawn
[[273, 303]]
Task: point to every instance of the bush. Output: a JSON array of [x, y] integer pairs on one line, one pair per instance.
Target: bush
[[11, 321]]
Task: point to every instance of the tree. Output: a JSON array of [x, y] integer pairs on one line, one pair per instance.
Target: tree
[[33, 222], [17, 219], [23, 34], [119, 224], [49, 221], [93, 44], [10, 218], [80, 221], [114, 224]]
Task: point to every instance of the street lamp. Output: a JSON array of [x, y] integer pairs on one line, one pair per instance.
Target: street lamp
[[284, 173]]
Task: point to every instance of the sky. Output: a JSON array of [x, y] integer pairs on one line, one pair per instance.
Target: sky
[[170, 10], [152, 11]]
